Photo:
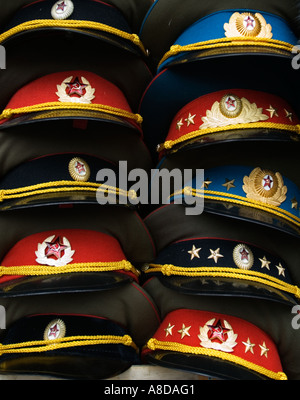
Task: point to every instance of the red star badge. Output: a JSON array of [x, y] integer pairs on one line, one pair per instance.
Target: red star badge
[[230, 102], [76, 88], [217, 331], [53, 331], [268, 182], [249, 22], [61, 6], [244, 254], [80, 168], [55, 248]]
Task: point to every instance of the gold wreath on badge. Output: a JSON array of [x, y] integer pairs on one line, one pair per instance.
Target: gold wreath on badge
[[226, 345], [79, 170], [265, 186], [65, 259], [232, 110], [55, 330], [243, 257], [248, 25], [84, 92]]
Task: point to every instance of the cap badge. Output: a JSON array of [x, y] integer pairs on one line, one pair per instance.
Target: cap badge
[[55, 330], [231, 106], [75, 91], [265, 186], [232, 110], [79, 169], [218, 336], [243, 257], [248, 25], [54, 251], [62, 9]]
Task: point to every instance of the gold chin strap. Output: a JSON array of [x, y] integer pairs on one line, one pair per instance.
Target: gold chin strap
[[169, 144], [171, 270], [39, 270], [227, 42], [230, 198], [154, 344], [63, 186], [75, 24], [8, 113], [39, 346]]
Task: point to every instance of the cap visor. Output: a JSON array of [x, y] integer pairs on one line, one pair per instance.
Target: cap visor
[[216, 53], [67, 366], [226, 287], [62, 198], [236, 135], [64, 283], [203, 365], [68, 114], [245, 213]]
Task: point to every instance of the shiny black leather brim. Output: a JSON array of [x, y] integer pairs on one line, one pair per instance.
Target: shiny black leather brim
[[63, 283], [225, 287], [202, 365]]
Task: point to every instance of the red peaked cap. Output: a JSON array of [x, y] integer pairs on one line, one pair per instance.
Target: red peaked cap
[[84, 246], [218, 335], [82, 84]]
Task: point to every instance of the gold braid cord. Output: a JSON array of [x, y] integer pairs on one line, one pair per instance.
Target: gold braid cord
[[72, 341], [227, 42], [154, 344], [254, 276], [42, 23]]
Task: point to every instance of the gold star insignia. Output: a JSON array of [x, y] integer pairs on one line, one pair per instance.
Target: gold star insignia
[[294, 203], [194, 252], [249, 346], [280, 269], [184, 331], [264, 350], [179, 124], [190, 119], [229, 184], [215, 254], [168, 330], [288, 115], [272, 111], [264, 262], [206, 184]]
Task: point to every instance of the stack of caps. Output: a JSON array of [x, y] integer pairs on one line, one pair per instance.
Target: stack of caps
[[224, 106], [71, 240]]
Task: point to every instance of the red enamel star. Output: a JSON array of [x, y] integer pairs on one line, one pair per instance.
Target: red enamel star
[[76, 88], [230, 102], [61, 6], [268, 182], [217, 331], [55, 248], [80, 167], [54, 330], [249, 22], [244, 254]]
